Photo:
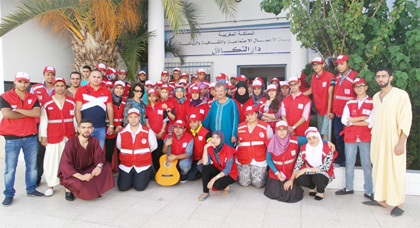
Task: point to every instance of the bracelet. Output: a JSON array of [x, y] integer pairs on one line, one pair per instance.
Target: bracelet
[[294, 127], [308, 170], [111, 126], [218, 176], [99, 166]]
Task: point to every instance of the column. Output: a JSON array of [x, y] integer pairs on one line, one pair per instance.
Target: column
[[298, 57], [156, 49], [1, 61]]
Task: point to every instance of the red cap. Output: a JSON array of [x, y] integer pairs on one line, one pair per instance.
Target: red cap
[[275, 80], [242, 78], [176, 69], [159, 83], [194, 117], [359, 81], [141, 72], [195, 89], [229, 85], [59, 80], [164, 87], [311, 130], [271, 87], [281, 123], [184, 75], [100, 66], [121, 83], [221, 76], [149, 83], [201, 70], [133, 110], [250, 109], [193, 76], [121, 72], [317, 60], [49, 69], [256, 83], [212, 85], [293, 79], [341, 58], [284, 83], [22, 76], [110, 71], [151, 91], [164, 73], [179, 123], [109, 84], [233, 76]]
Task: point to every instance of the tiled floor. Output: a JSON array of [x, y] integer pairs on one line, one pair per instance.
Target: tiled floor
[[177, 206]]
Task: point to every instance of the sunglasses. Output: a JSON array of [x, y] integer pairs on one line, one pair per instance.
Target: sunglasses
[[138, 91]]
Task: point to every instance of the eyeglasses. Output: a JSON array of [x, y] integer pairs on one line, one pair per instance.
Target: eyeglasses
[[294, 84], [359, 86], [138, 91]]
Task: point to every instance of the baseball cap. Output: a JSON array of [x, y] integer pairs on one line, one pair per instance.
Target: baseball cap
[[179, 123], [281, 123], [182, 81], [59, 80], [193, 76], [359, 81], [221, 76], [195, 89], [184, 75], [212, 85], [22, 76], [151, 91], [275, 80], [49, 69], [284, 83], [159, 83], [272, 87], [108, 84], [233, 76], [164, 73], [121, 83], [194, 117], [110, 71], [201, 70], [242, 78], [317, 60], [229, 85], [342, 58], [121, 71], [141, 72], [177, 69], [311, 130], [256, 83], [149, 83], [293, 79], [164, 87], [100, 66], [250, 109], [133, 110]]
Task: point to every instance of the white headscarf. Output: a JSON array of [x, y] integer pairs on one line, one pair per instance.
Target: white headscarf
[[314, 153]]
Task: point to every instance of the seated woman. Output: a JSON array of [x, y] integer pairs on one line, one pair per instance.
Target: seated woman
[[281, 156], [219, 169], [314, 166]]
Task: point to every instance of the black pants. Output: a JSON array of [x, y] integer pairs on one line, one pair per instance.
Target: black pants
[[209, 171], [311, 181], [133, 179], [194, 172], [40, 161], [156, 154], [109, 150]]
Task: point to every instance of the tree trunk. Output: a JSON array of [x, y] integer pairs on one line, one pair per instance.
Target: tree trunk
[[92, 50]]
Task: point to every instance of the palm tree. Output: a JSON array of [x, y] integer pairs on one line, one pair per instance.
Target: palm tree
[[93, 26]]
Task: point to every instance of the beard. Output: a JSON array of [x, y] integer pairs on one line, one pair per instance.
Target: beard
[[384, 85], [86, 135]]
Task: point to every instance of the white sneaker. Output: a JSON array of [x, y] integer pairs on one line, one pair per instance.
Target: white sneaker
[[49, 192]]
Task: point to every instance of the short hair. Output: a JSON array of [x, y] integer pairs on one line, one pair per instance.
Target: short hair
[[87, 67], [220, 84], [131, 93], [96, 70], [76, 72], [389, 71], [86, 120]]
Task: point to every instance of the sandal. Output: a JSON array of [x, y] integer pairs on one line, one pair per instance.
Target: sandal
[[202, 198], [226, 191]]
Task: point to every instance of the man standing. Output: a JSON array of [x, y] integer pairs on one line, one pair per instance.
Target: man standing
[[391, 127], [201, 75], [56, 127], [122, 75], [322, 86], [357, 118], [142, 77], [83, 170], [86, 73], [43, 91], [75, 79], [343, 92], [94, 102], [223, 115], [136, 143], [180, 146], [296, 109], [176, 75], [19, 128]]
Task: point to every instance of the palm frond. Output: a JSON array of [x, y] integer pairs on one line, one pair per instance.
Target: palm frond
[[192, 15], [31, 10], [227, 7], [176, 51], [174, 13]]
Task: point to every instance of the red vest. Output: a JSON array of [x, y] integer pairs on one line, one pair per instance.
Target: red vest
[[294, 110], [23, 126], [225, 154], [242, 107], [42, 94], [126, 90], [201, 110], [285, 162], [351, 132], [199, 143], [179, 145], [118, 117], [136, 154], [326, 150], [343, 92], [155, 117], [60, 122], [270, 111], [252, 145], [169, 102], [181, 110], [320, 88], [261, 103]]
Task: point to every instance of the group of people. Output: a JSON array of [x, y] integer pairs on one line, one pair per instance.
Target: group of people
[[231, 130]]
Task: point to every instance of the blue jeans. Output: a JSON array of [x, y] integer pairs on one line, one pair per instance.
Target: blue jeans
[[351, 152], [185, 166], [339, 140], [100, 134], [29, 146]]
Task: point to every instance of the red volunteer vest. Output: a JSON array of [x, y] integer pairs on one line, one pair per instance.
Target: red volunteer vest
[[126, 90], [181, 110], [23, 126], [326, 150], [136, 154], [285, 162], [252, 145], [155, 117], [199, 143], [242, 107], [294, 110], [225, 154], [261, 103], [343, 92], [270, 111], [179, 145], [351, 132], [60, 122], [42, 94], [201, 110], [118, 117], [320, 88]]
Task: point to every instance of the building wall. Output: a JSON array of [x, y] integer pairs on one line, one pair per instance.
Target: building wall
[[30, 48]]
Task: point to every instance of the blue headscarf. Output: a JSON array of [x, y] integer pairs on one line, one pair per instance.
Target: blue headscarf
[[182, 99], [218, 148]]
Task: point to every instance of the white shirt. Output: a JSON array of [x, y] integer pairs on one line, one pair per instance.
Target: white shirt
[[152, 145]]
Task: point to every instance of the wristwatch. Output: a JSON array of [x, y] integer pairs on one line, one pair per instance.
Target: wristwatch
[[294, 127], [99, 166], [111, 126]]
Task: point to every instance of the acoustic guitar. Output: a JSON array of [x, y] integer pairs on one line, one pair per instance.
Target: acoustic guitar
[[167, 174]]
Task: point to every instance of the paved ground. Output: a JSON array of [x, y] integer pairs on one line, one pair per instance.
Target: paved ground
[[177, 206]]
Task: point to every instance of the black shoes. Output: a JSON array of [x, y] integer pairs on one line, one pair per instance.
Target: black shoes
[[372, 203], [69, 196], [369, 196], [35, 194], [344, 191], [7, 201], [397, 212]]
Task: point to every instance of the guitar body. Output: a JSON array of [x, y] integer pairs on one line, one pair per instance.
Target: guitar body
[[167, 175]]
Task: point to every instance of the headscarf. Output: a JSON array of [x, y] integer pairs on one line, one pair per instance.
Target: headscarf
[[314, 153], [256, 98], [203, 85], [277, 145], [241, 98], [218, 148], [182, 99], [116, 99]]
